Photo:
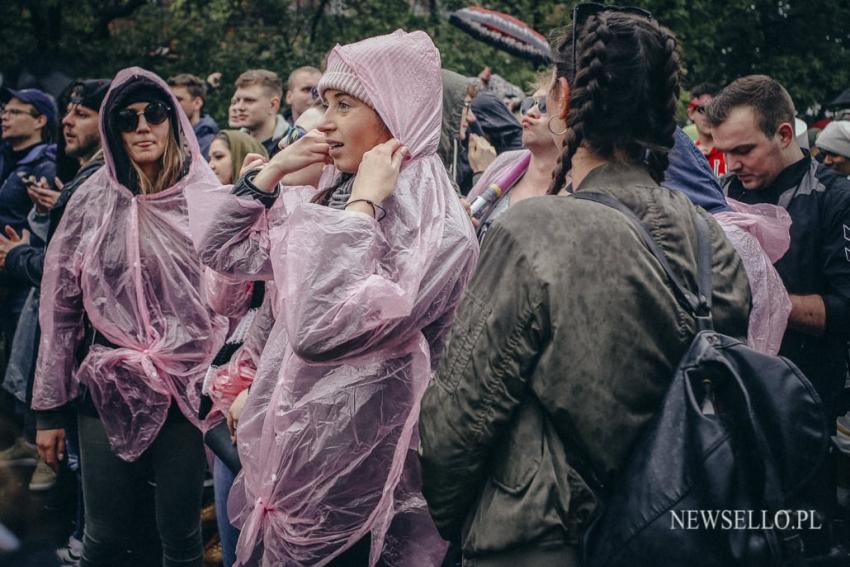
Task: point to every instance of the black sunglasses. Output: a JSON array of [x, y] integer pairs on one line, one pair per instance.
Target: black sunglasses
[[155, 113], [583, 11], [530, 101]]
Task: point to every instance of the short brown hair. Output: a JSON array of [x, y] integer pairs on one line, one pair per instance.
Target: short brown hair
[[304, 69], [195, 85], [771, 103], [266, 79]]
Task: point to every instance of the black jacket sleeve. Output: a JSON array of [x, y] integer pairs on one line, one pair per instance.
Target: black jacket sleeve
[[835, 231], [25, 264]]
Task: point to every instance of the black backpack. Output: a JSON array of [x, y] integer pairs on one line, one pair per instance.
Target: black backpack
[[738, 437]]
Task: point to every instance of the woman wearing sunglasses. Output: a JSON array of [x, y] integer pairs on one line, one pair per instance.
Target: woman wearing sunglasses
[[127, 332], [519, 174], [569, 332]]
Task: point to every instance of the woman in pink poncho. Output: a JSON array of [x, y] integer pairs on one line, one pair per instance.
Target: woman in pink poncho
[[126, 329], [369, 271]]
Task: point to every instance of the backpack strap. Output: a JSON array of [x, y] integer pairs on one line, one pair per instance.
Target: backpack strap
[[697, 305]]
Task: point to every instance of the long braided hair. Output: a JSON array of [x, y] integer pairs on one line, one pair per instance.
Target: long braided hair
[[623, 92]]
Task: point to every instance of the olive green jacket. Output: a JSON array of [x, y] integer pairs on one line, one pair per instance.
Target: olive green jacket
[[565, 343]]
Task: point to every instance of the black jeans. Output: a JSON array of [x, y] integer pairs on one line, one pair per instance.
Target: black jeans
[[116, 493]]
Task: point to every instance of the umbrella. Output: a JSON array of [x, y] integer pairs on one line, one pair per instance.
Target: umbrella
[[504, 32], [842, 100]]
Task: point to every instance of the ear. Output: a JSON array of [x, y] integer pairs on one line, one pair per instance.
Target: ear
[[275, 103], [288, 98], [197, 103], [563, 98], [41, 121], [786, 134]]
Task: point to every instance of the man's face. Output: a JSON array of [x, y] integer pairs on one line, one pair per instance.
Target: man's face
[[20, 121], [79, 128], [696, 112], [839, 163], [190, 104], [753, 157], [251, 107], [300, 96]]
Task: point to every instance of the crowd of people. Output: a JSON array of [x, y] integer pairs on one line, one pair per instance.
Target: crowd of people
[[296, 307]]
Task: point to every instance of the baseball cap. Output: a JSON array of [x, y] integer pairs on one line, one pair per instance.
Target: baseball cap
[[90, 92], [42, 102]]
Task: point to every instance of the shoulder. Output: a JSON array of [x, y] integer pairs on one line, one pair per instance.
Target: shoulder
[[833, 188]]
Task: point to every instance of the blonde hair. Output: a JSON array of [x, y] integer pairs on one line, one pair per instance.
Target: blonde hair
[[170, 171]]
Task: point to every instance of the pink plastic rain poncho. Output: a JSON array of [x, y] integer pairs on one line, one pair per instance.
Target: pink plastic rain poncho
[[127, 263], [761, 236], [328, 435]]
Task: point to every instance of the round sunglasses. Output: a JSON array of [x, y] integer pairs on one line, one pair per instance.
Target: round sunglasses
[[155, 113], [530, 101]]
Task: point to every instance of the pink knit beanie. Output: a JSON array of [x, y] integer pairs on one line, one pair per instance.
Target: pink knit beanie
[[341, 77]]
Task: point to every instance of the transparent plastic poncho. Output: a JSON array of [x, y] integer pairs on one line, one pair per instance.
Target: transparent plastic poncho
[[328, 437], [127, 264]]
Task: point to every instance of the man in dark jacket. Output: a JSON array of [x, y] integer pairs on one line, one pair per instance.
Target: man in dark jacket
[[24, 261], [28, 154], [29, 119], [191, 93], [82, 142], [753, 124]]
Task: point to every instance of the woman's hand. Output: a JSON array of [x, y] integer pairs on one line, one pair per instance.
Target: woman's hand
[[481, 153], [311, 148], [377, 175], [235, 412], [51, 446], [252, 161], [468, 208]]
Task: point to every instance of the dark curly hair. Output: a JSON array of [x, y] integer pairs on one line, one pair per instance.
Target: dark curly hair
[[623, 92]]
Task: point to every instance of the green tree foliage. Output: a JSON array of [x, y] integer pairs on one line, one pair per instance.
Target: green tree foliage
[[804, 45]]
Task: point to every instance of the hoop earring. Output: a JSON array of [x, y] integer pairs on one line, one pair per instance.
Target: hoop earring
[[549, 127]]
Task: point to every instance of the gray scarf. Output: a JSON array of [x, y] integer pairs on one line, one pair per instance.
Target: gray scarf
[[341, 195]]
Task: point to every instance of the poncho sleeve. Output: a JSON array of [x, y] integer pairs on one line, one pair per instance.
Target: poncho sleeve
[[351, 284], [225, 295], [61, 313]]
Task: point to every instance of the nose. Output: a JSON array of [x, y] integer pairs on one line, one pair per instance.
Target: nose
[[143, 125], [732, 164], [827, 159], [326, 125], [67, 120]]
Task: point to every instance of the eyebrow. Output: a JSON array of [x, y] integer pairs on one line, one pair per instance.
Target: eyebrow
[[736, 149]]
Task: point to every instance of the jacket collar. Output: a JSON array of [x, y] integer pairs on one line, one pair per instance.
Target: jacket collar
[[39, 152], [616, 174]]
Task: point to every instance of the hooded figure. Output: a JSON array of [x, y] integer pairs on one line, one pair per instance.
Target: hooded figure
[[122, 267], [500, 127], [328, 435]]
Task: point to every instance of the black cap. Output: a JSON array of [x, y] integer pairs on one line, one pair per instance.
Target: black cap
[[90, 93]]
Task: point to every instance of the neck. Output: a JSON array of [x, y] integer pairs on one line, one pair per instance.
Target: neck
[[792, 155], [540, 168], [195, 118], [87, 156], [265, 131], [151, 170], [705, 140], [584, 162], [19, 144]]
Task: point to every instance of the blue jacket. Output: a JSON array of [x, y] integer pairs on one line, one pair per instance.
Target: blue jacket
[[15, 204], [205, 131]]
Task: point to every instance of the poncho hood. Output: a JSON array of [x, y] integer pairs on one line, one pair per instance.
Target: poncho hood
[[136, 83], [401, 74]]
